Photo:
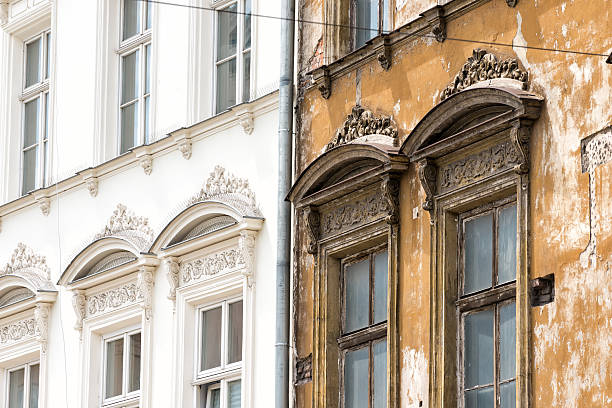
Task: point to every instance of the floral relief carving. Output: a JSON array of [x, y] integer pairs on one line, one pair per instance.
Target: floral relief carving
[[79, 303], [357, 212], [23, 259], [361, 122], [41, 316], [210, 265], [172, 267], [124, 220], [482, 66], [146, 280], [17, 331], [113, 299], [220, 183], [246, 245], [479, 165]]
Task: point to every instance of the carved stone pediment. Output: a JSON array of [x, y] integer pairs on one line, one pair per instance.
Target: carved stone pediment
[[26, 264], [482, 66], [124, 223], [362, 122]]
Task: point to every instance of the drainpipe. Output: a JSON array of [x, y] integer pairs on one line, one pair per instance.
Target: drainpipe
[[283, 249]]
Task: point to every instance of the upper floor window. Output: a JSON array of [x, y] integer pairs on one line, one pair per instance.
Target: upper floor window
[[363, 344], [135, 74], [233, 54], [221, 355], [486, 305], [369, 18], [122, 366], [23, 386], [35, 116]]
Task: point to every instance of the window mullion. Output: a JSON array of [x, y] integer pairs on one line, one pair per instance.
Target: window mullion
[[26, 386], [126, 369], [496, 359], [141, 89]]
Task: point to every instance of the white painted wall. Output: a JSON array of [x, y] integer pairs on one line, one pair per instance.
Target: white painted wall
[[75, 216]]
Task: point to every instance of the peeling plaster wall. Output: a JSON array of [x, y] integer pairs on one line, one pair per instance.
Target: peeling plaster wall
[[571, 211]]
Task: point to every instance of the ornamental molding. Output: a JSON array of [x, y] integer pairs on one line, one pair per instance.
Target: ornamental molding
[[483, 66], [362, 122], [479, 165], [210, 265], [124, 223], [146, 162], [428, 174], [246, 245], [356, 213], [41, 317], [313, 224], [146, 281], [172, 273], [31, 267], [79, 303], [20, 330], [113, 299], [185, 147], [92, 186]]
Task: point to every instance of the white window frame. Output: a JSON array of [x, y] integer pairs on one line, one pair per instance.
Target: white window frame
[[26, 376], [222, 386], [138, 42], [37, 90], [239, 55], [125, 395]]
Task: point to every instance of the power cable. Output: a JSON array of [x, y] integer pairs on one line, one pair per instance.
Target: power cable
[[352, 27]]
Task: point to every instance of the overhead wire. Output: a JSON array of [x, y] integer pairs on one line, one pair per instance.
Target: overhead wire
[[353, 27]]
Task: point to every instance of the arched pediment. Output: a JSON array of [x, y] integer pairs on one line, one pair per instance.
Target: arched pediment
[[356, 163], [26, 270], [489, 105]]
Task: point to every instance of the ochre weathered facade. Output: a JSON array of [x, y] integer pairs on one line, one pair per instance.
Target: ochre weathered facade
[[516, 126]]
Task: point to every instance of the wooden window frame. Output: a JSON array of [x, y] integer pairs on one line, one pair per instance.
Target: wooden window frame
[[125, 395], [493, 297], [381, 20]]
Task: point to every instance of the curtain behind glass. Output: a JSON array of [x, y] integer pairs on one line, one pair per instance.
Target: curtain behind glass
[[114, 368], [211, 339], [16, 388], [233, 394], [134, 362], [234, 336], [34, 374], [33, 69], [366, 20]]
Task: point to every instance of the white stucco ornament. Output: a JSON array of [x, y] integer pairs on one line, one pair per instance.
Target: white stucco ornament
[[222, 183], [125, 223], [25, 260]]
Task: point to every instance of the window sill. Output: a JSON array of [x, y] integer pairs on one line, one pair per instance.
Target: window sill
[[129, 402], [206, 378]]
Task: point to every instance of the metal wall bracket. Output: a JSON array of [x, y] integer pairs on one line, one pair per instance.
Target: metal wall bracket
[[542, 290]]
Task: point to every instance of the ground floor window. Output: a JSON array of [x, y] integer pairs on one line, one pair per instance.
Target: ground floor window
[[122, 366], [23, 386]]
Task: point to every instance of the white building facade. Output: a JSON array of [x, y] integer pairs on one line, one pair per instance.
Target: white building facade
[[138, 204]]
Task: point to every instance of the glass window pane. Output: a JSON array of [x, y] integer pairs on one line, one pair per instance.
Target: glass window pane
[[129, 77], [234, 336], [34, 374], [48, 51], [211, 339], [507, 341], [481, 398], [246, 78], [149, 15], [386, 17], [214, 398], [147, 103], [247, 25], [129, 127], [46, 124], [357, 295], [131, 18], [379, 353], [114, 368], [16, 388], [233, 394], [30, 163], [147, 68], [33, 69], [508, 395], [366, 20], [227, 31], [506, 251], [478, 348], [31, 123], [134, 362], [46, 163], [478, 253], [380, 287], [356, 378], [226, 85]]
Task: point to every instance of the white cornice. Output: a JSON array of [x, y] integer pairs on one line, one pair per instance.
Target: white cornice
[[168, 144], [27, 20]]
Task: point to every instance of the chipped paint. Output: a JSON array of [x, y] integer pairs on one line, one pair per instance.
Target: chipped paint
[[415, 380]]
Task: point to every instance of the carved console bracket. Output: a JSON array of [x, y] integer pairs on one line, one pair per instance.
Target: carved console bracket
[[384, 55], [313, 223], [323, 81], [145, 285], [172, 268], [246, 245], [79, 303], [437, 22], [428, 174], [511, 3], [146, 162], [390, 188], [44, 203], [520, 140], [90, 178], [41, 317], [245, 118], [542, 290], [184, 146]]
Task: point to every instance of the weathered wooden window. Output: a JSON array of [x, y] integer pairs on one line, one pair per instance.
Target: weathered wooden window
[[369, 18], [486, 304], [363, 343]]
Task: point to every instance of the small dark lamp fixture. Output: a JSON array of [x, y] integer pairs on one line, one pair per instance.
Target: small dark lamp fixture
[[542, 290]]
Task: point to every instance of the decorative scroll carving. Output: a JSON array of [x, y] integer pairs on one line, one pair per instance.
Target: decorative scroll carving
[[146, 281], [24, 259], [325, 85], [303, 370], [41, 316], [520, 139], [79, 303], [246, 245], [479, 165], [210, 265], [511, 3], [313, 224], [185, 147], [124, 220], [358, 212], [172, 268], [146, 162], [390, 190], [92, 186], [482, 66], [384, 56], [17, 331], [427, 174], [113, 299], [221, 182], [361, 122]]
